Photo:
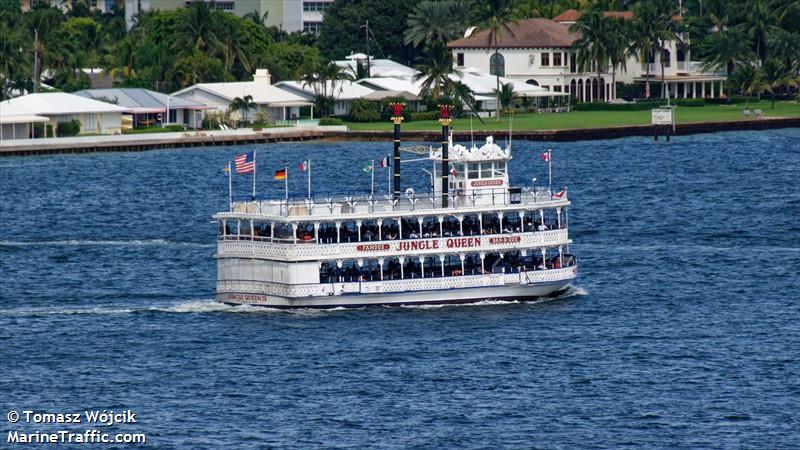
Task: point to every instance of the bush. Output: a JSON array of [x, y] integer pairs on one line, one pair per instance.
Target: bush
[[690, 102], [330, 121], [71, 128], [364, 111], [424, 115], [630, 91], [639, 106], [732, 99]]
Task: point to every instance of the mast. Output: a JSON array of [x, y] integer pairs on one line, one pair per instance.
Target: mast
[[397, 119], [445, 120]]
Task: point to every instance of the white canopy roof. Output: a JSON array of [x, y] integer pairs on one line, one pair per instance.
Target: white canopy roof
[[56, 103], [345, 90], [262, 93], [22, 118]]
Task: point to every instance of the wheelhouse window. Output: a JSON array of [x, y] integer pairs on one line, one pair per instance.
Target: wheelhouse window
[[497, 65], [500, 168], [474, 171], [486, 170]]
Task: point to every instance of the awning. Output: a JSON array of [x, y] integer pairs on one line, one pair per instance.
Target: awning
[[380, 95], [23, 118]]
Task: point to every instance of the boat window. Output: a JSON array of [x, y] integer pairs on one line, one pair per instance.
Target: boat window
[[261, 230], [474, 170], [500, 169], [283, 231], [486, 170]]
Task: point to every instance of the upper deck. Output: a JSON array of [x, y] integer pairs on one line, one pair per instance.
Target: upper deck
[[411, 204]]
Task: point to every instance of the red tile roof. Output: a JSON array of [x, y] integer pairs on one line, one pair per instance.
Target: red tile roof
[[569, 15], [529, 33]]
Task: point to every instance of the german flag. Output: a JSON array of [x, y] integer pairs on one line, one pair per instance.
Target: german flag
[[280, 174]]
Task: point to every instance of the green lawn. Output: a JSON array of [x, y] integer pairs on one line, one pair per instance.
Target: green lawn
[[597, 119]]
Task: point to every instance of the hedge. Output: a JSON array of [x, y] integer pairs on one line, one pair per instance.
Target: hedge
[[639, 106], [330, 121], [71, 128]]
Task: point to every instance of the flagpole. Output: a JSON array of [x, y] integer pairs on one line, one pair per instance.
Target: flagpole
[[254, 174], [389, 191], [309, 178], [372, 189], [550, 168], [286, 181], [230, 188]]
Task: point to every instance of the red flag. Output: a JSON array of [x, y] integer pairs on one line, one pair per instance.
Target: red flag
[[560, 194], [545, 156], [453, 172], [303, 166]]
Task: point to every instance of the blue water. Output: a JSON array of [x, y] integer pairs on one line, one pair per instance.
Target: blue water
[[683, 330]]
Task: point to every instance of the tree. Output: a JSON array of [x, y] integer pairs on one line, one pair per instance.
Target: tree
[[750, 79], [342, 31], [666, 30], [507, 96], [591, 49], [434, 69], [644, 43], [496, 16], [198, 28], [243, 104], [327, 81], [436, 21], [776, 75], [760, 20], [726, 50]]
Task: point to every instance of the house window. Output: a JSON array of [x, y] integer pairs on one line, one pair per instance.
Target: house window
[[497, 65], [666, 56], [545, 59], [312, 27], [557, 59], [315, 6], [460, 59], [556, 88]]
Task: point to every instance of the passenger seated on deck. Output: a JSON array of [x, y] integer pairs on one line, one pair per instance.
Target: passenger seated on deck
[[542, 227], [368, 235]]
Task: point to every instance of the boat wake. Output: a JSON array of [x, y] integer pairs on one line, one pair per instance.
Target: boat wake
[[204, 306]]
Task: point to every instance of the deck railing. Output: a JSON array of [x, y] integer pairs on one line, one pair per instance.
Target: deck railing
[[376, 204]]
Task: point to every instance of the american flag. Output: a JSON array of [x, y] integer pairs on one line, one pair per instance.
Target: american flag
[[245, 163]]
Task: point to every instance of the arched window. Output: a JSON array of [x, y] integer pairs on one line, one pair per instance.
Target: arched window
[[532, 82], [497, 65], [666, 56]]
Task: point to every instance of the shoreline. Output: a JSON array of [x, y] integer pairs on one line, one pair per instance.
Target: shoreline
[[144, 142]]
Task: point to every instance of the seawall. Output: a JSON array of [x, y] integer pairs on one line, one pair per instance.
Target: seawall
[[127, 143]]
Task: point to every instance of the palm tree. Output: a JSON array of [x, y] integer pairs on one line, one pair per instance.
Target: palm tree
[[618, 47], [434, 69], [783, 45], [776, 76], [12, 60], [507, 96], [198, 29], [244, 104], [759, 22], [433, 21], [644, 44], [327, 81], [751, 81], [257, 18], [591, 49], [726, 50], [666, 30], [496, 16]]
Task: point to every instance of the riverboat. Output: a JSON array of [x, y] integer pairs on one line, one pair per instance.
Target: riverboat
[[474, 237]]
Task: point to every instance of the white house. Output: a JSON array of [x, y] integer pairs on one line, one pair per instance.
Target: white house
[[537, 52], [95, 117], [684, 78], [150, 107], [279, 104], [343, 91]]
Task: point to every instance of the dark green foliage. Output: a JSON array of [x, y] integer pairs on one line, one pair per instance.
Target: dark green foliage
[[331, 121], [71, 128], [690, 102], [424, 115], [341, 34], [364, 111], [639, 106]]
